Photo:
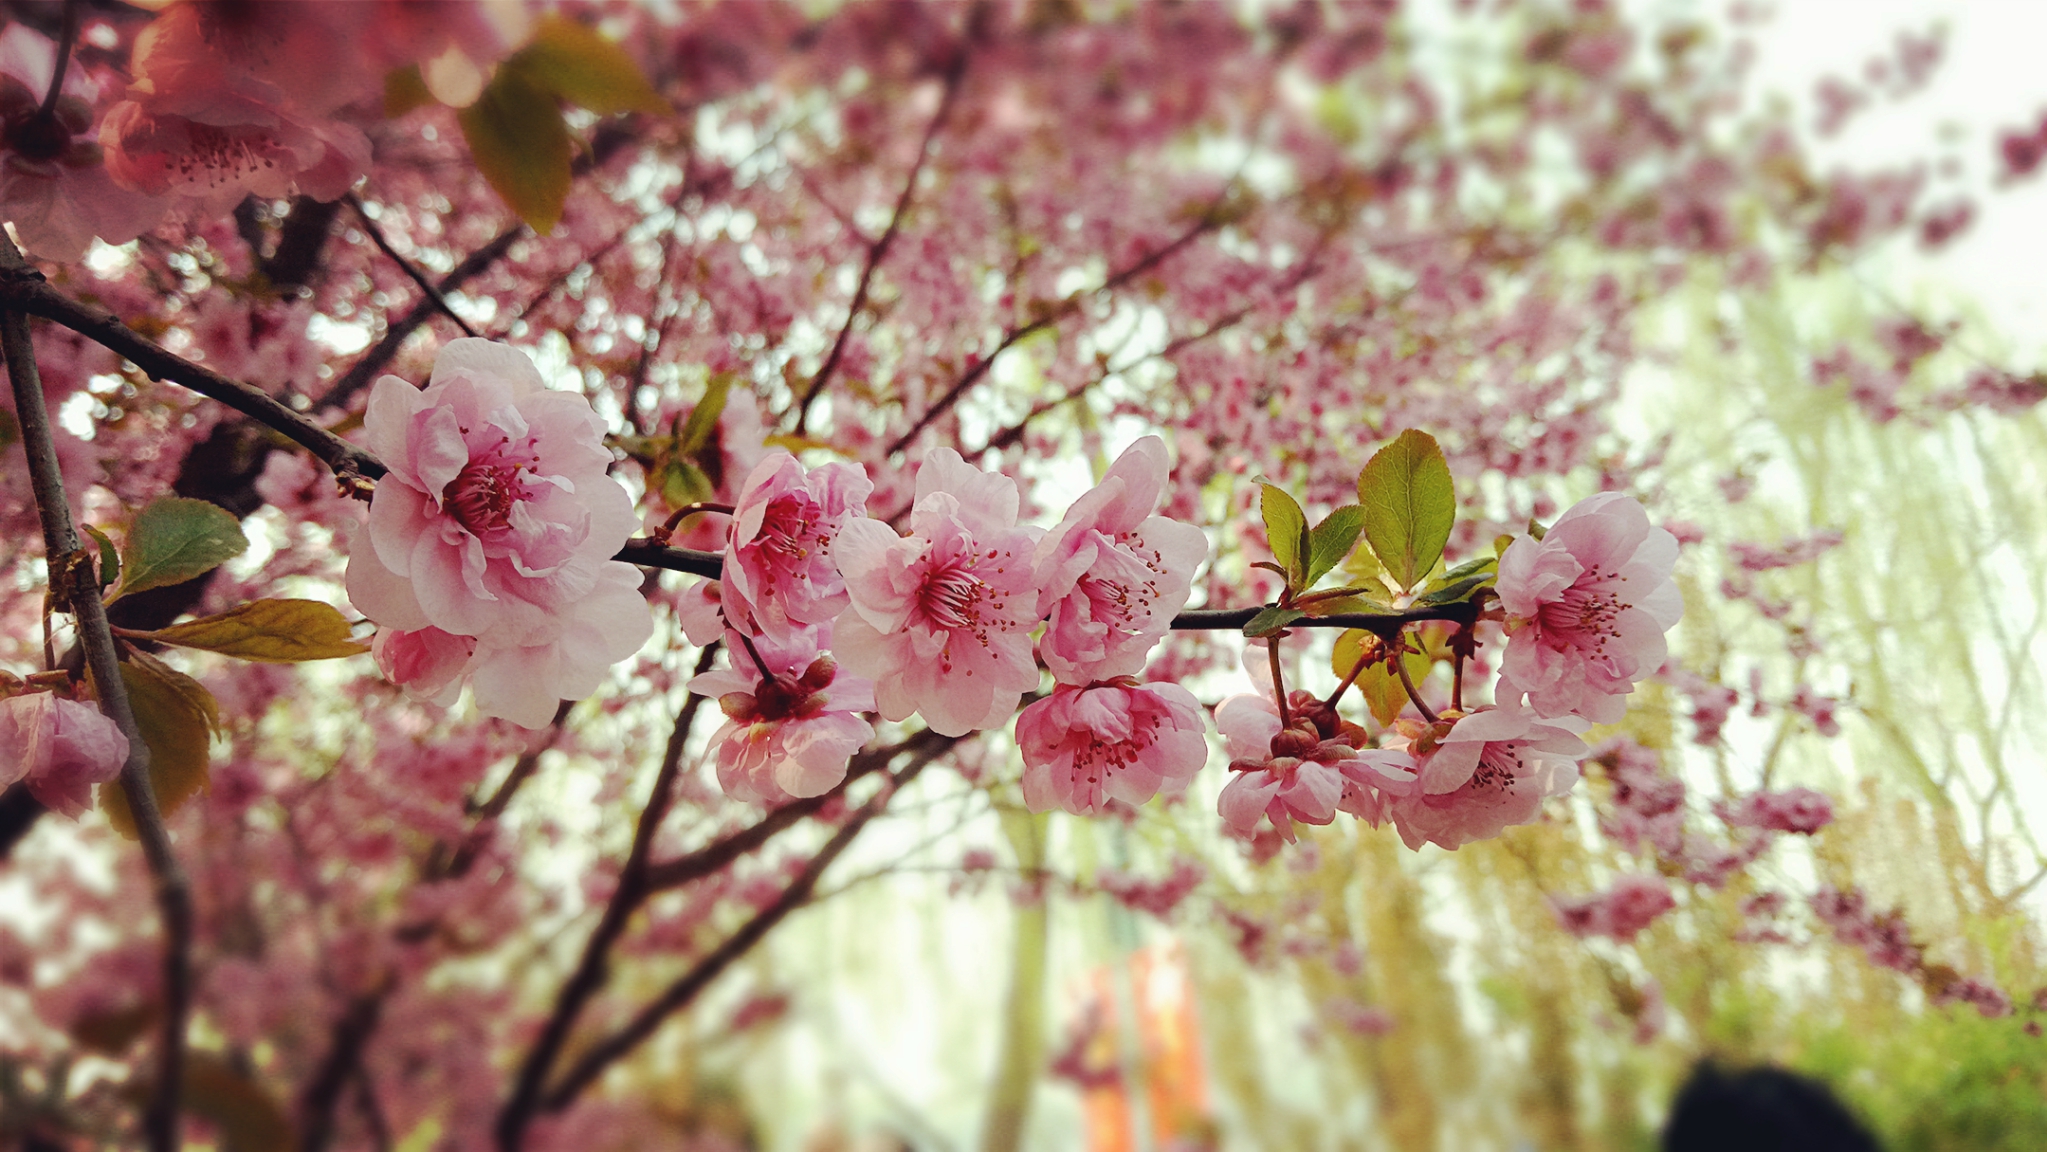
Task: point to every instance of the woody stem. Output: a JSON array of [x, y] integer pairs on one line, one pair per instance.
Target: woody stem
[[1278, 682], [1407, 682], [767, 677]]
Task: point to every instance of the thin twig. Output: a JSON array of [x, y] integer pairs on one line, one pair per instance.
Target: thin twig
[[878, 251], [412, 273], [714, 856], [1407, 682], [1210, 220], [386, 348], [685, 989], [591, 970], [23, 287], [72, 576]]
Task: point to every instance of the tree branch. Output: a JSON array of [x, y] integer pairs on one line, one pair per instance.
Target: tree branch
[[73, 578], [344, 1056], [412, 273], [1210, 220], [385, 349], [590, 972], [878, 250], [24, 288], [720, 852], [685, 989]]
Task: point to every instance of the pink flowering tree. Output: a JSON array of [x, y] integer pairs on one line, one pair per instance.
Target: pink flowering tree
[[421, 418]]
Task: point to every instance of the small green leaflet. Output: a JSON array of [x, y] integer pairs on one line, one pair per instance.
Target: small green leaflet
[[175, 539], [521, 145], [1331, 541], [1271, 619], [1286, 529]]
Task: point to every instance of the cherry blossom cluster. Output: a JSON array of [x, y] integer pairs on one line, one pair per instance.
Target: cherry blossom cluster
[[485, 560]]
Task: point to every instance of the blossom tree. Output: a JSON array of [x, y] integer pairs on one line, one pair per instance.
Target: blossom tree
[[411, 430]]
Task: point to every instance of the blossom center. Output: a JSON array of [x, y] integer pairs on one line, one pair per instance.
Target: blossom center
[[1582, 616], [955, 599], [483, 494]]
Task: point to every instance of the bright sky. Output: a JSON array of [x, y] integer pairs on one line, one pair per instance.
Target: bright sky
[[1990, 80]]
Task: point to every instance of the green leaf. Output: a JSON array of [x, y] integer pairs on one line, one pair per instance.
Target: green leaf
[[1453, 592], [1271, 619], [1355, 601], [1410, 503], [110, 557], [175, 539], [268, 631], [1286, 529], [1330, 541], [521, 145], [696, 432], [1379, 684], [176, 714], [681, 482], [579, 65]]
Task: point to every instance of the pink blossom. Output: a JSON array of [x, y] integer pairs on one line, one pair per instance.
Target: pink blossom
[[1630, 905], [941, 618], [1282, 775], [1491, 770], [54, 185], [1587, 607], [1786, 553], [1799, 810], [496, 526], [1111, 575], [779, 574], [60, 747], [1084, 746], [792, 735], [1157, 897]]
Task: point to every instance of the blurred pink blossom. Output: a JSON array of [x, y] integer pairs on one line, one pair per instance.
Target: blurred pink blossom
[[54, 185], [1630, 905]]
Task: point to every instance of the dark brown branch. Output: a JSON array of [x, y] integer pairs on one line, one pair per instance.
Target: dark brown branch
[[344, 1056], [653, 554], [73, 580], [718, 853], [301, 238], [878, 250], [385, 349], [591, 970], [685, 989], [1210, 220], [412, 273], [22, 287]]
